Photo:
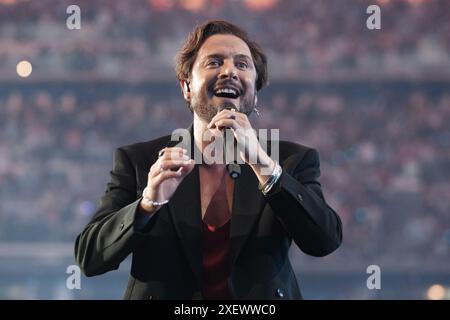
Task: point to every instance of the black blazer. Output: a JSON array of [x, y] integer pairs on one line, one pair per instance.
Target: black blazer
[[167, 253]]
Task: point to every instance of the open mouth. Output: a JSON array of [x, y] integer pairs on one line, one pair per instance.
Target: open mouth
[[226, 93]]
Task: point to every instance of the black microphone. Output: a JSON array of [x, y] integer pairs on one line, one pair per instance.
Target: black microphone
[[233, 168]]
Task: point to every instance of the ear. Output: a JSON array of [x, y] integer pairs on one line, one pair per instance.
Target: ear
[[184, 84]]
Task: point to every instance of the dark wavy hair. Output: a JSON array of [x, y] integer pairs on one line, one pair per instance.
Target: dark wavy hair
[[188, 53]]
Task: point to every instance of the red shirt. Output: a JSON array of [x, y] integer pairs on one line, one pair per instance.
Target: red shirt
[[216, 264]]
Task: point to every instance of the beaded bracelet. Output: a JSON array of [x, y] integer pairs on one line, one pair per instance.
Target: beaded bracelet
[[151, 202]]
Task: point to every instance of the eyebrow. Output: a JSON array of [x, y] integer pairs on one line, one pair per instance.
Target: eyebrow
[[244, 57], [219, 56]]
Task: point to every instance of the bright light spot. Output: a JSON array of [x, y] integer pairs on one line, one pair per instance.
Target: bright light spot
[[24, 69], [161, 5], [436, 292], [192, 5], [260, 5], [7, 2]]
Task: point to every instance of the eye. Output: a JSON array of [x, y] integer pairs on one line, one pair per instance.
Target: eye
[[242, 65], [213, 63]]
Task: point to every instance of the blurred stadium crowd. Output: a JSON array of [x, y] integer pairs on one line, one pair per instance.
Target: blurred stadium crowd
[[385, 157], [380, 125], [136, 39]]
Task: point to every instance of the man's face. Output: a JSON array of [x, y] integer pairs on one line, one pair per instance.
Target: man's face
[[222, 72]]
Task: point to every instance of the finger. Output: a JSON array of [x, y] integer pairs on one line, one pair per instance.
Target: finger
[[224, 114], [173, 154], [185, 170], [158, 167], [172, 164], [227, 123], [175, 149], [165, 175], [213, 124], [180, 173], [177, 153]]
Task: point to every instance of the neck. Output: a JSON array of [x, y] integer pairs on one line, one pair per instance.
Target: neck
[[200, 127]]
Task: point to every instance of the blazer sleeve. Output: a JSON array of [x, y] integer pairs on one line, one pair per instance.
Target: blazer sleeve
[[114, 230], [297, 200]]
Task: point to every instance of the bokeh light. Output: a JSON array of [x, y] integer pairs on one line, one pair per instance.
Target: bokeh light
[[436, 292], [192, 5], [24, 68]]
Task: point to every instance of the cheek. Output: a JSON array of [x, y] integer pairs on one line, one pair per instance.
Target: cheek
[[248, 79], [249, 83], [201, 82]]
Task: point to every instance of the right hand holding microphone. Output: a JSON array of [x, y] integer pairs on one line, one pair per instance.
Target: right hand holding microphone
[[164, 177]]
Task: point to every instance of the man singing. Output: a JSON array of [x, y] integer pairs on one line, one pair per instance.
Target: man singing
[[193, 230]]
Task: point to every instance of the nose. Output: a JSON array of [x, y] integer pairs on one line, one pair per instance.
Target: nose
[[228, 70]]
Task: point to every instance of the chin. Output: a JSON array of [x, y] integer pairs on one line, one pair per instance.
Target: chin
[[220, 101]]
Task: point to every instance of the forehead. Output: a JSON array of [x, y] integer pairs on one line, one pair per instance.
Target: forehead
[[224, 44]]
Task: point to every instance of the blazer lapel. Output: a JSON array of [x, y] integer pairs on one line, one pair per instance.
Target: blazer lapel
[[185, 211], [248, 203]]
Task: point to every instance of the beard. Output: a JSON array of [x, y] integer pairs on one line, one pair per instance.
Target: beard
[[203, 110], [206, 109]]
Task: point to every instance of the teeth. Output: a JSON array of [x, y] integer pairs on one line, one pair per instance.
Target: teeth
[[226, 90]]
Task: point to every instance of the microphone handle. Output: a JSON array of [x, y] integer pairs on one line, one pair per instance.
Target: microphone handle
[[234, 169]]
